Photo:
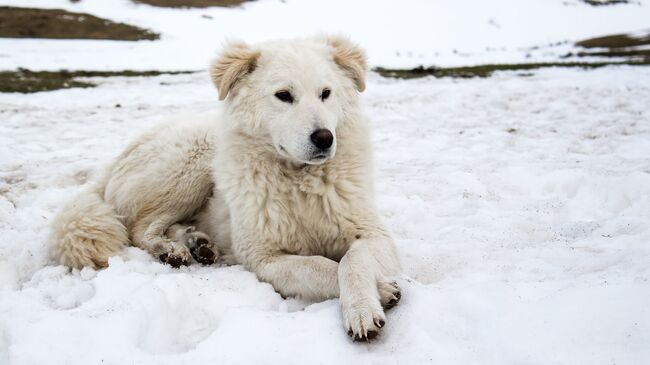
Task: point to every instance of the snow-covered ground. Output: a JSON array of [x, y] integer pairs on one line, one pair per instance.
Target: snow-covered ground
[[520, 205], [404, 33]]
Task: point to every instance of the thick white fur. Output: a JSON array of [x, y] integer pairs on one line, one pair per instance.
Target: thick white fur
[[246, 178]]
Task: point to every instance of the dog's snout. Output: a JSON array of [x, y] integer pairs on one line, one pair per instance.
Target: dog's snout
[[322, 138]]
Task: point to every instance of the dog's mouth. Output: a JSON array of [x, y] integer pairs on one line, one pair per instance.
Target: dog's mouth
[[317, 161], [283, 152], [316, 158], [319, 158]]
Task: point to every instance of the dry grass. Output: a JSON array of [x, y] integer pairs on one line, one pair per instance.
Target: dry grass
[[487, 70]]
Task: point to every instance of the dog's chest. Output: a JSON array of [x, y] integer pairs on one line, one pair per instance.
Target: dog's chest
[[311, 213]]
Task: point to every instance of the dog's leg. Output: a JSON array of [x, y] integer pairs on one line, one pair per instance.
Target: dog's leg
[[151, 237], [310, 277], [364, 274], [202, 249]]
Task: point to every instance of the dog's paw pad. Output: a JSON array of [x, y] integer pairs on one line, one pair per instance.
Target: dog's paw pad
[[176, 255], [205, 254], [175, 260], [370, 335]]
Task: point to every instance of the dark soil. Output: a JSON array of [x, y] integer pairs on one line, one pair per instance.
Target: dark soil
[[61, 24], [25, 81], [191, 3], [640, 54], [605, 2], [487, 70], [620, 47], [617, 45], [616, 41]]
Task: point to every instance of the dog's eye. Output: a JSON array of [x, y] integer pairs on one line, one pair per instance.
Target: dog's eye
[[284, 96], [325, 94]]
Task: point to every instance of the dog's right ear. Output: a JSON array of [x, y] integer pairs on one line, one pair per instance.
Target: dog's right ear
[[236, 60], [350, 58]]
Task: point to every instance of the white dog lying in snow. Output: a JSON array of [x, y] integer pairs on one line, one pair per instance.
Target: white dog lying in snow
[[281, 183]]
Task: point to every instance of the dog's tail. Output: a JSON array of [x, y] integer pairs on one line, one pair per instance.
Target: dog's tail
[[87, 231]]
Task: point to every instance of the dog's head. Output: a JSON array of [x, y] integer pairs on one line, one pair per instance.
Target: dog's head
[[291, 94]]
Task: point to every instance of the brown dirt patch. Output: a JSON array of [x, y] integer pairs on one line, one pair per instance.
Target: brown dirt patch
[[624, 46], [192, 3], [62, 24], [487, 70], [605, 2], [621, 48], [616, 41], [26, 81]]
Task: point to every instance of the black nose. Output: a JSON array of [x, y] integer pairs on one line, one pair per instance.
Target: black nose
[[322, 138]]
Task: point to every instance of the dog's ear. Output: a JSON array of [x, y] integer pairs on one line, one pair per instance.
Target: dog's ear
[[351, 58], [236, 60]]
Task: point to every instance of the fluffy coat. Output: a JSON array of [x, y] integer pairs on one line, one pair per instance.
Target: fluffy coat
[[249, 186]]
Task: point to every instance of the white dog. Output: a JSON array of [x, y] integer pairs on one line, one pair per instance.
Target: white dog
[[281, 183]]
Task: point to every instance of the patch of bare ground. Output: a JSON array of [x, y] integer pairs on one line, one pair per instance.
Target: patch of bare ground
[[61, 24], [26, 81], [487, 70], [192, 3], [605, 2], [627, 46], [623, 49]]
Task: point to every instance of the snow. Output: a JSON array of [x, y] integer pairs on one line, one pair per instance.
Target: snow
[[404, 34], [520, 203], [520, 206]]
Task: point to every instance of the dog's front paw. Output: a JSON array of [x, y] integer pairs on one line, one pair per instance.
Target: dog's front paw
[[363, 318], [389, 294], [177, 255]]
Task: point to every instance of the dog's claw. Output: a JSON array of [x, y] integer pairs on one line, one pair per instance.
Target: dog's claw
[[390, 294]]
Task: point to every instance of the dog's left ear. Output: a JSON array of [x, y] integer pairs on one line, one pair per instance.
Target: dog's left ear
[[351, 59], [235, 61]]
